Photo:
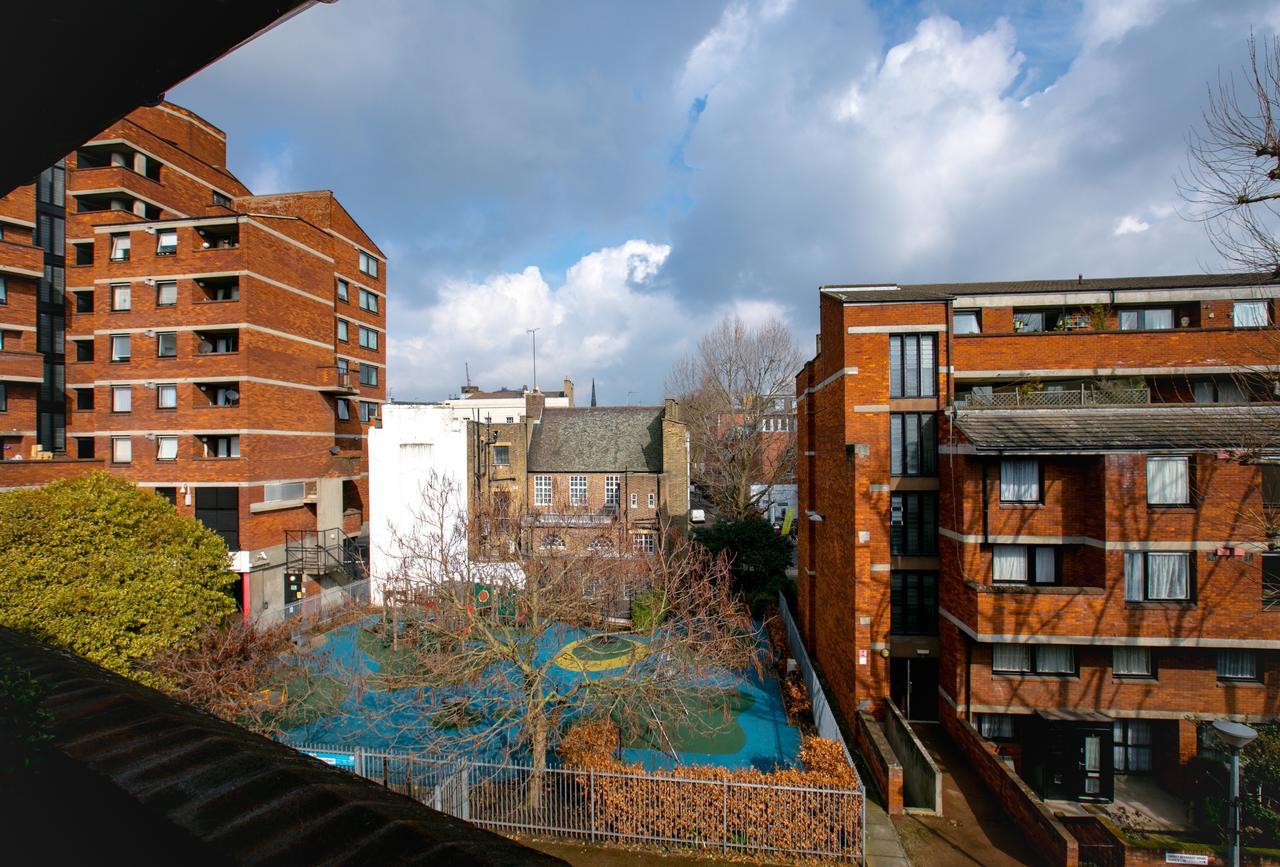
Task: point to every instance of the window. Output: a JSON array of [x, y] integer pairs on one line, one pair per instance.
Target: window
[[121, 296], [368, 374], [121, 398], [84, 300], [1151, 319], [577, 490], [368, 301], [167, 396], [1131, 661], [1028, 321], [967, 322], [221, 446], [83, 254], [166, 242], [1249, 314], [542, 490], [166, 344], [1237, 665], [912, 368], [218, 509], [342, 367], [120, 347], [644, 543], [1157, 577], [4, 397], [368, 264], [1131, 750], [121, 450], [994, 726], [368, 338], [1020, 481], [51, 234], [84, 350], [221, 199], [1033, 658], [651, 501], [1169, 481], [502, 456], [279, 491], [1270, 582], [166, 293], [120, 248], [635, 500], [219, 343], [166, 448], [85, 448], [552, 541], [344, 410], [343, 290], [913, 523], [913, 449], [1024, 564], [913, 603], [342, 330], [4, 291], [1217, 391], [612, 490], [84, 398], [368, 410], [225, 395]]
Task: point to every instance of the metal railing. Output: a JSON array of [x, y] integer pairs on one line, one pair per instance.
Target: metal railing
[[323, 552], [319, 607], [1083, 396], [719, 815], [823, 718]]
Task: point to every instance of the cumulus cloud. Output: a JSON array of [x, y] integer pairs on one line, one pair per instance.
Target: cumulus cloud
[[1130, 225]]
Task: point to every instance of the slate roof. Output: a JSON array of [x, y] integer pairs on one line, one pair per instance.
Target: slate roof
[[598, 439], [884, 293], [1196, 427], [192, 789]]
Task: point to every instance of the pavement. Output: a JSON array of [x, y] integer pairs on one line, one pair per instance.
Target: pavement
[[884, 849]]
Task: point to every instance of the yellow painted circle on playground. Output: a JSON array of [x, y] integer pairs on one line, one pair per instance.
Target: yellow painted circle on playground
[[569, 660]]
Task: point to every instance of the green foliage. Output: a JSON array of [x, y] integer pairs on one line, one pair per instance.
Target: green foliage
[[758, 557], [24, 724], [1259, 787], [647, 610], [109, 571]]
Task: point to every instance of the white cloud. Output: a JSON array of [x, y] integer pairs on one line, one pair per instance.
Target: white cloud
[[1130, 225], [1106, 21]]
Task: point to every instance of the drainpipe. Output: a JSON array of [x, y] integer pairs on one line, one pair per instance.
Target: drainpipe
[[246, 604], [986, 535]]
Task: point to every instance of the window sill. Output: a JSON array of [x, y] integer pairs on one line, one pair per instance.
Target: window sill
[[1140, 678], [121, 360], [1029, 504], [1022, 675], [1170, 507], [1251, 684], [215, 301], [278, 505], [1160, 603]]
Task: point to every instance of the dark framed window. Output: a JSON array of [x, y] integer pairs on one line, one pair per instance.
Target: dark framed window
[[913, 523], [1051, 659], [1270, 582], [4, 397], [166, 344], [344, 291], [502, 456], [219, 510], [994, 726], [1024, 564], [913, 603], [84, 350], [967, 322], [84, 302], [1158, 576], [221, 199], [84, 448], [368, 374], [913, 444], [1169, 480], [344, 410], [168, 493], [913, 366], [1020, 481], [1238, 665], [84, 398], [1131, 740], [1146, 319], [1131, 662]]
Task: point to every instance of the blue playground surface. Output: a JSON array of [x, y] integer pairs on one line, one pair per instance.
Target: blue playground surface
[[387, 714]]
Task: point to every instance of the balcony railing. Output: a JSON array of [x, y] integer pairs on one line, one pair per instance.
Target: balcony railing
[[336, 380], [1083, 396]]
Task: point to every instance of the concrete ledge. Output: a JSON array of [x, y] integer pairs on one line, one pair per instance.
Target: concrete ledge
[[921, 779], [883, 764]]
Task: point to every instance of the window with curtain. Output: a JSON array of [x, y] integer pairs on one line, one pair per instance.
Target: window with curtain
[[1024, 564], [120, 347], [1249, 314], [121, 296], [1011, 657], [912, 365], [121, 398], [1020, 481], [121, 450], [1149, 319], [913, 444], [1131, 750], [1055, 659], [1168, 480], [166, 293], [1237, 665], [1157, 576], [167, 396], [1131, 661], [994, 726], [1027, 321]]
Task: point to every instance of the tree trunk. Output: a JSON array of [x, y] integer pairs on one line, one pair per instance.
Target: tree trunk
[[538, 750]]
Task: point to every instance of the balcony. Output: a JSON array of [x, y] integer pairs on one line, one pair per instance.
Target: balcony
[[1083, 396], [574, 518], [336, 380], [21, 367]]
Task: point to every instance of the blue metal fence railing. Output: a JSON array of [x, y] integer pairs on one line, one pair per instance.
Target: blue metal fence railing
[[823, 718]]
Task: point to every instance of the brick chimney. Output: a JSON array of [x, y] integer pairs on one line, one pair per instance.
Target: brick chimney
[[671, 409], [568, 389], [534, 401]]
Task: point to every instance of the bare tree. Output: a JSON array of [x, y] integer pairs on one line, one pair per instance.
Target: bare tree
[[1232, 180], [728, 389], [492, 658]]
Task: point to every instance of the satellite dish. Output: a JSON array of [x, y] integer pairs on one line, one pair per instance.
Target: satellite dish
[[232, 394]]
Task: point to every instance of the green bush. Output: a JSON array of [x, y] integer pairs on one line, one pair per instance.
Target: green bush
[[647, 610], [24, 725], [109, 571], [758, 556]]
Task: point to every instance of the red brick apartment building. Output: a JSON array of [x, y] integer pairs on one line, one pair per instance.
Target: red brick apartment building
[[228, 350], [1046, 510]]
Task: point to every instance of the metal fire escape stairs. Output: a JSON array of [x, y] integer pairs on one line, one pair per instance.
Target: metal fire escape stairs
[[320, 554]]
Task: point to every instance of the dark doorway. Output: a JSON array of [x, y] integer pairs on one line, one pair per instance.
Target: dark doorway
[[913, 686], [1076, 761], [219, 510]]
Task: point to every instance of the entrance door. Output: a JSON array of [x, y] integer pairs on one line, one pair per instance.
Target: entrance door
[[1095, 775], [913, 685], [1077, 762]]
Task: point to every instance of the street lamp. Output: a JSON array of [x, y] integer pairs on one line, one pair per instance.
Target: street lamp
[[1237, 736]]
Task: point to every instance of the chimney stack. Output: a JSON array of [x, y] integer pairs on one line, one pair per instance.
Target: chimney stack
[[568, 389], [534, 401]]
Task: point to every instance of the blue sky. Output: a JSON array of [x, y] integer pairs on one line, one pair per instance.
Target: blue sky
[[623, 175]]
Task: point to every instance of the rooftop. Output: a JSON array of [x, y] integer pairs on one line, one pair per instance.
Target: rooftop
[[1194, 427], [598, 439], [882, 293]]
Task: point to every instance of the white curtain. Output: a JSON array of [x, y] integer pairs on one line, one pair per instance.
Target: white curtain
[[1158, 319], [1131, 660], [1135, 579], [1009, 563], [1167, 576], [1020, 481], [1229, 392], [994, 725], [1011, 657], [1203, 391], [1249, 314], [1055, 658], [1167, 481], [1237, 664], [1046, 565]]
